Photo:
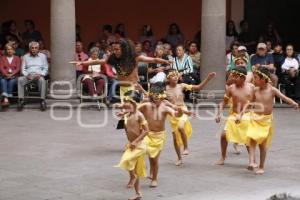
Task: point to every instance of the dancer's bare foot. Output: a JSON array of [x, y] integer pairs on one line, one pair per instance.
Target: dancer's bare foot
[[236, 149], [221, 161], [153, 184], [252, 166], [260, 171], [178, 162], [185, 152], [132, 182], [137, 196]]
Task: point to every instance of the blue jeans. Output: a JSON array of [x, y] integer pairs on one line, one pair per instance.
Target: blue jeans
[[112, 89], [7, 86]]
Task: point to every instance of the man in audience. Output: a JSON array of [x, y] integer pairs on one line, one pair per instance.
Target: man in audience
[[80, 56], [263, 59], [31, 34], [34, 69]]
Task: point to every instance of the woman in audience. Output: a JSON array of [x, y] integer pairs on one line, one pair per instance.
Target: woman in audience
[[195, 56], [174, 37], [231, 34], [92, 79], [10, 66], [290, 65], [147, 48], [168, 51], [158, 72], [230, 57]]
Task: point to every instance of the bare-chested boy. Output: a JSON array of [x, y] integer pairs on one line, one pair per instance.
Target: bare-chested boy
[[136, 129], [260, 129], [242, 94], [156, 112], [181, 126]]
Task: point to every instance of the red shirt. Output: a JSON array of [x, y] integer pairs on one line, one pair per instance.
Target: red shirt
[[6, 67]]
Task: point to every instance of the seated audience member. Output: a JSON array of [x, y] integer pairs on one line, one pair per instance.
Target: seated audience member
[[245, 37], [230, 57], [139, 51], [13, 31], [44, 50], [184, 65], [120, 31], [108, 36], [147, 35], [168, 51], [16, 45], [10, 66], [92, 79], [242, 52], [231, 34], [158, 72], [271, 34], [269, 47], [263, 59], [290, 69], [174, 37], [31, 34], [34, 69], [147, 48], [278, 57], [195, 55], [80, 56]]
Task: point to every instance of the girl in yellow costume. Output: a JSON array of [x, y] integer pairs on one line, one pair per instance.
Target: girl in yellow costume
[[136, 129], [181, 126], [260, 129]]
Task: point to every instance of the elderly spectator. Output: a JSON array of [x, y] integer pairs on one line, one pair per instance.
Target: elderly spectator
[[174, 37], [10, 66], [184, 65], [157, 72], [195, 55], [230, 57], [34, 69], [80, 56], [147, 35], [31, 34], [231, 34], [92, 79], [263, 59]]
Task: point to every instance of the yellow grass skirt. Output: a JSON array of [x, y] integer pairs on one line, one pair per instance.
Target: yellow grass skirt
[[236, 133], [134, 160], [260, 129], [155, 142]]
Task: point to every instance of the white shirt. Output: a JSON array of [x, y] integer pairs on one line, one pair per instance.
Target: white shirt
[[34, 65], [10, 59], [290, 63]]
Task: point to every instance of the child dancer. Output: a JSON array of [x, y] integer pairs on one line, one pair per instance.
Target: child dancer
[[181, 126], [136, 129], [260, 129], [241, 94]]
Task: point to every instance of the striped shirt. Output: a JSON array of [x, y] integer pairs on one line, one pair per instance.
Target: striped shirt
[[184, 64]]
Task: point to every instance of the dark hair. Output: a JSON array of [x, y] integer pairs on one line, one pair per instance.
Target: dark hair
[[137, 97], [30, 21], [234, 43], [108, 28], [243, 22], [294, 54], [177, 27], [265, 71], [234, 33], [241, 69], [148, 32], [193, 42], [147, 41], [118, 31], [157, 88], [127, 60]]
